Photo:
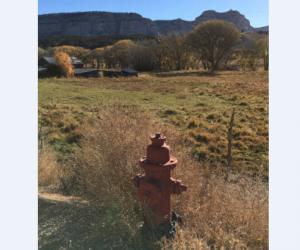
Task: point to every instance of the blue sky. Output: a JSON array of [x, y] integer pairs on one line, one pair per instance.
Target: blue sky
[[255, 10]]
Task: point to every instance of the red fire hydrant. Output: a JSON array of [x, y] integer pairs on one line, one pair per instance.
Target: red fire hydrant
[[156, 185]]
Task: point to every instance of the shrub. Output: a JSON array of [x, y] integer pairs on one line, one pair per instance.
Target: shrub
[[64, 63], [48, 171], [222, 215], [109, 151]]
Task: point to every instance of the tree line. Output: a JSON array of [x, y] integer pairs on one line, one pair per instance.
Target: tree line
[[212, 45]]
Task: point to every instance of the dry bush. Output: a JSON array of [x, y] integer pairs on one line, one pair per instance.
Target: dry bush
[[103, 167], [48, 170], [216, 214], [110, 149], [54, 176], [224, 215], [64, 62]]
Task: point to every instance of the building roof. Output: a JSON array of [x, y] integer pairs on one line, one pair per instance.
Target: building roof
[[129, 70], [42, 69], [84, 70], [52, 60]]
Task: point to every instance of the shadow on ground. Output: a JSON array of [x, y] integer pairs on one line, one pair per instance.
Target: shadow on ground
[[75, 224], [184, 73]]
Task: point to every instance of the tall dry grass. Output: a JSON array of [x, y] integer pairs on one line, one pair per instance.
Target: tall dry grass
[[223, 215], [216, 214], [49, 169]]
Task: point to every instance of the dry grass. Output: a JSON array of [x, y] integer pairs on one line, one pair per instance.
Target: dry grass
[[48, 172], [198, 105], [109, 150], [224, 215], [216, 214]]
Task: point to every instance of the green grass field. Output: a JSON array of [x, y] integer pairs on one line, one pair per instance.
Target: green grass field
[[197, 105]]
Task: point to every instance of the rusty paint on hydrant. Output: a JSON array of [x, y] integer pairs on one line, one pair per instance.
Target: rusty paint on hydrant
[[156, 185]]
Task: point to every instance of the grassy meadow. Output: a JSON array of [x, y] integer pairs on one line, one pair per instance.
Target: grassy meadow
[[199, 106], [93, 131]]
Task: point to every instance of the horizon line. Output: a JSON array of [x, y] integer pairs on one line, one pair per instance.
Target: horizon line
[[105, 11]]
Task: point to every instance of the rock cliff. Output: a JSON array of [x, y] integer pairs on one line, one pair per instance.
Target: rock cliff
[[126, 24]]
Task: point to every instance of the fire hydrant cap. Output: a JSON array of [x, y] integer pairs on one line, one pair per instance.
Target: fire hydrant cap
[[158, 139]]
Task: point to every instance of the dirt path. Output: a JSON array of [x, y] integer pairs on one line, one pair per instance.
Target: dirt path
[[56, 198]]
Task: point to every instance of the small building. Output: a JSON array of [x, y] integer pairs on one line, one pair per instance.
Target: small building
[[77, 63], [129, 72], [86, 72], [48, 68], [45, 61], [111, 73], [116, 73]]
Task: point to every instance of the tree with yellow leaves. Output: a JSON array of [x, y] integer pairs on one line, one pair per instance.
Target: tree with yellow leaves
[[64, 63]]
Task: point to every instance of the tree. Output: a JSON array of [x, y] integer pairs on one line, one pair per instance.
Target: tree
[[143, 57], [71, 50], [212, 40], [108, 57], [248, 59], [263, 45], [64, 63], [120, 52], [253, 49], [118, 55], [95, 57], [175, 51]]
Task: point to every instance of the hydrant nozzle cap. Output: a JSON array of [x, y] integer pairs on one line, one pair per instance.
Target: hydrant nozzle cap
[[158, 139]]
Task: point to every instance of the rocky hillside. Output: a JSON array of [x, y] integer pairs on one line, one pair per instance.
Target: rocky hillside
[[240, 21], [262, 29], [124, 24]]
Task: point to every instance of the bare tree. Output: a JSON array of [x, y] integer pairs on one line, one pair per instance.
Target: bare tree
[[175, 51], [95, 57], [212, 40], [120, 53], [263, 45]]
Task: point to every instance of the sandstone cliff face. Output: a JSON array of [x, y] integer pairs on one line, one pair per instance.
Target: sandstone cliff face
[[122, 24], [173, 26], [94, 23]]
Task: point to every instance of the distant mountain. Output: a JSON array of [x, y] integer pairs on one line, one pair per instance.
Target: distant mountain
[[88, 24], [233, 16], [262, 29]]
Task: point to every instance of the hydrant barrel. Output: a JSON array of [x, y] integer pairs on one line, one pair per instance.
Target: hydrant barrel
[[155, 186]]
